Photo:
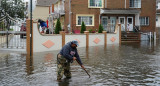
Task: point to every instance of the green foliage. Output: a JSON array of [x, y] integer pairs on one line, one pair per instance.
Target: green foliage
[[90, 30], [58, 27], [83, 27], [14, 7], [1, 24], [100, 29], [11, 29]]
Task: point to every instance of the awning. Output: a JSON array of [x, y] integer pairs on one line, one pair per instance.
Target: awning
[[119, 11]]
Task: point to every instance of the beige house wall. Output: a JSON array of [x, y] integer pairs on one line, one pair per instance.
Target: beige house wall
[[41, 13], [61, 20]]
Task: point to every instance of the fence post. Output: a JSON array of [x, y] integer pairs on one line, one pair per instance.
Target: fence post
[[63, 37], [87, 38], [119, 34], [29, 48], [105, 38]]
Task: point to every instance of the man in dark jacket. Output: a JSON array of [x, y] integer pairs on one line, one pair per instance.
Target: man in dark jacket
[[43, 25], [67, 55]]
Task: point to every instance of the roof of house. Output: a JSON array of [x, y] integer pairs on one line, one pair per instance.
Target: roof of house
[[45, 2]]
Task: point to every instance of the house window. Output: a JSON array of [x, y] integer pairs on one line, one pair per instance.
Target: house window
[[87, 19], [144, 21], [95, 3], [158, 5], [135, 4]]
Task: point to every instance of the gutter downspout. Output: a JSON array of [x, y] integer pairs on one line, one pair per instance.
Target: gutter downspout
[[125, 4], [69, 27], [105, 3]]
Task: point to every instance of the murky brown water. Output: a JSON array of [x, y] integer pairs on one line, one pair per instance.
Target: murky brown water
[[131, 64]]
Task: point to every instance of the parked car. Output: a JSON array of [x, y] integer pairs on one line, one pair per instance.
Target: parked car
[[23, 28]]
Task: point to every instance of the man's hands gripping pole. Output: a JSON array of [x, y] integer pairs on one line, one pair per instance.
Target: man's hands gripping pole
[[74, 58]]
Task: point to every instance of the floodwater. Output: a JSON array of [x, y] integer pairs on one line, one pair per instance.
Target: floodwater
[[131, 64]]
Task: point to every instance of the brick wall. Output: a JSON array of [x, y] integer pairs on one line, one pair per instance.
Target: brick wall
[[148, 9], [115, 4], [81, 7]]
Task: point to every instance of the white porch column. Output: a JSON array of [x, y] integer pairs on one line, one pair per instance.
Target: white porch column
[[137, 22]]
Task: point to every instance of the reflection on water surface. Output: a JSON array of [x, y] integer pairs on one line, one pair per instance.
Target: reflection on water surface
[[130, 64]]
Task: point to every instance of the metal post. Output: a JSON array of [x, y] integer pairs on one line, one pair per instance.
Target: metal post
[[150, 36], [7, 35], [30, 27], [6, 23], [69, 26], [155, 38]]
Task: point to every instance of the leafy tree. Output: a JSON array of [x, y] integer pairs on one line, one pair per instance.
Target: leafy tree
[[58, 26], [100, 29], [83, 27], [14, 7]]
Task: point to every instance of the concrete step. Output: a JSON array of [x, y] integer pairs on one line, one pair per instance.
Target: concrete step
[[130, 40], [129, 37]]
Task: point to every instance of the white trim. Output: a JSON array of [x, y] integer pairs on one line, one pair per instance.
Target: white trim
[[124, 23], [85, 15], [139, 4], [145, 24], [131, 29], [95, 6]]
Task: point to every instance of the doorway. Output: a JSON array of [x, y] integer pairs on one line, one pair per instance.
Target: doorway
[[122, 22], [130, 23]]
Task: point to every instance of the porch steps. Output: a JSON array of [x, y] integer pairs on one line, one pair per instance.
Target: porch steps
[[130, 37]]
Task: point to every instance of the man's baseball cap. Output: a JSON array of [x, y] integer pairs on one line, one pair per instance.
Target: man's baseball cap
[[75, 42]]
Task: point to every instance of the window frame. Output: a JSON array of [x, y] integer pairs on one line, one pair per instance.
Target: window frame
[[156, 18], [85, 15], [95, 6], [139, 6], [158, 5], [145, 21]]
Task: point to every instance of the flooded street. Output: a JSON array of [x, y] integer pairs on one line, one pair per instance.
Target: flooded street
[[131, 64]]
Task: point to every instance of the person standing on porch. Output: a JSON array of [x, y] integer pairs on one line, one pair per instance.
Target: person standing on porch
[[128, 27], [67, 55]]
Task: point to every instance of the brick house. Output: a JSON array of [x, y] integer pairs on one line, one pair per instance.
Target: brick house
[[139, 13]]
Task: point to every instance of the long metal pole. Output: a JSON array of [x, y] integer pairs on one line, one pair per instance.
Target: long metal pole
[[6, 22], [30, 27]]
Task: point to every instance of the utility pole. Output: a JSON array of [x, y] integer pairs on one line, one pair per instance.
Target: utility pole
[[30, 27]]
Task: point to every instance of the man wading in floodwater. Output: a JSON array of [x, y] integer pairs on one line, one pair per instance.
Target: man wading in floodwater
[[67, 55]]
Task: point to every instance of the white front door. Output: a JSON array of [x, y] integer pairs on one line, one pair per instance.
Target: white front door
[[129, 23], [122, 22]]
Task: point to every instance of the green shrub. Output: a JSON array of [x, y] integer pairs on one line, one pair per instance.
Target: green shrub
[[58, 27], [90, 30], [83, 27], [100, 29]]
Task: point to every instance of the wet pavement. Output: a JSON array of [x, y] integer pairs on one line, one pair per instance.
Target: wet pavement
[[131, 64]]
